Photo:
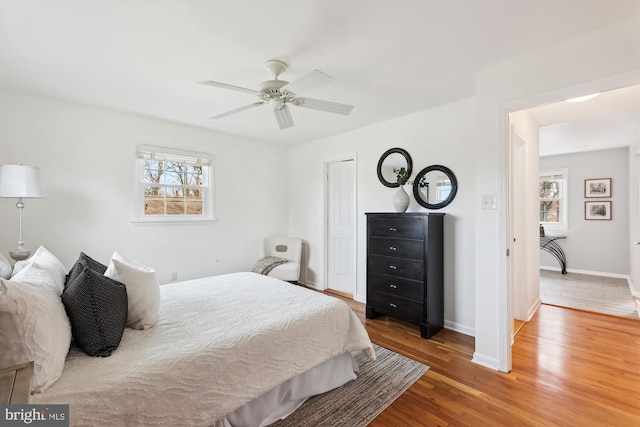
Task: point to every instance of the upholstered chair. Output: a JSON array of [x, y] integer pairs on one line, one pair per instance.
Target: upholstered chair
[[289, 248]]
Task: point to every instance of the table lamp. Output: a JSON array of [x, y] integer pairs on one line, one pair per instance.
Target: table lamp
[[20, 181]]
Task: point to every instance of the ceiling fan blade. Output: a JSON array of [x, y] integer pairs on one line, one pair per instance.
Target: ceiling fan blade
[[237, 110], [310, 81], [283, 116], [232, 87], [328, 106]]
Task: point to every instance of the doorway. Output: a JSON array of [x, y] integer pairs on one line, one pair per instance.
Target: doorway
[[341, 226], [591, 122], [526, 104], [589, 137]]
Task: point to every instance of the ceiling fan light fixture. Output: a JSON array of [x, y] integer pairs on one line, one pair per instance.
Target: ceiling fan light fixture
[[283, 115], [271, 88], [583, 98], [279, 93]]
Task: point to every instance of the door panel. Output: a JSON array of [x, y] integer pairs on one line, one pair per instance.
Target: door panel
[[341, 227]]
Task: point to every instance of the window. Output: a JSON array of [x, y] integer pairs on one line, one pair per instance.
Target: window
[[553, 199], [174, 185], [443, 188]]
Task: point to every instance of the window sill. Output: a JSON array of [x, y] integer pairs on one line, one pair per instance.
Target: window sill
[[176, 221]]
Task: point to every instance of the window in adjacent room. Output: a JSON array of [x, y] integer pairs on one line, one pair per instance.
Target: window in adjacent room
[[553, 200], [174, 185]]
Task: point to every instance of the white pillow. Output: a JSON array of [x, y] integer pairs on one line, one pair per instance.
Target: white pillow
[[143, 290], [40, 275], [33, 326], [5, 267], [56, 272]]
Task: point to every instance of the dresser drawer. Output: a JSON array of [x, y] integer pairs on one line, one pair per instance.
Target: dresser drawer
[[401, 248], [405, 288], [397, 267], [392, 227], [401, 308]]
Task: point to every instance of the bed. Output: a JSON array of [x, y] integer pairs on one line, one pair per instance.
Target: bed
[[229, 350]]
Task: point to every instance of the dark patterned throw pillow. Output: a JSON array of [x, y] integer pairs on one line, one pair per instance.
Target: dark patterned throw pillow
[[84, 260], [97, 309]]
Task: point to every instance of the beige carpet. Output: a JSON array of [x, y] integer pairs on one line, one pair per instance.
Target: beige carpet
[[358, 402]]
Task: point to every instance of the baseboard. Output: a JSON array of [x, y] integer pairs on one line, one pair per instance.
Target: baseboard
[[486, 361], [635, 294], [532, 310], [634, 291], [310, 285], [463, 329], [588, 272]]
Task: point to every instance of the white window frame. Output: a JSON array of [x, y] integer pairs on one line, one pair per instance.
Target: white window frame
[[562, 225], [150, 152]]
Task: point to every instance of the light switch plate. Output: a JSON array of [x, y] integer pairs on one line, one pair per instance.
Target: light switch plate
[[489, 201]]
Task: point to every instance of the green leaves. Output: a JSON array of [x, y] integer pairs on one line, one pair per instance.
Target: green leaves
[[401, 175]]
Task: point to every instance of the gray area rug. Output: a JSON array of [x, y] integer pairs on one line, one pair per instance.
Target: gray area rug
[[358, 402]]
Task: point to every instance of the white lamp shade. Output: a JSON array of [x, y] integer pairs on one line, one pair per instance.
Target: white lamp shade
[[20, 181]]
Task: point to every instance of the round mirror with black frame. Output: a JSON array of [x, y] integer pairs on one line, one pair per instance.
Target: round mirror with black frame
[[435, 187], [390, 161]]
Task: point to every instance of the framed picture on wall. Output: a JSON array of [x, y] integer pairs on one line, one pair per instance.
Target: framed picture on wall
[[600, 187], [597, 210]]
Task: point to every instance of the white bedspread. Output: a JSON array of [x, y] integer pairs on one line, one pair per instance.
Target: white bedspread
[[219, 343]]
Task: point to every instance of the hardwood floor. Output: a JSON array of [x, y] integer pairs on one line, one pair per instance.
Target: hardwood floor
[[570, 368]]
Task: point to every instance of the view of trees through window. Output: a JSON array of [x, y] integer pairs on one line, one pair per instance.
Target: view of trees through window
[[172, 188], [550, 198]]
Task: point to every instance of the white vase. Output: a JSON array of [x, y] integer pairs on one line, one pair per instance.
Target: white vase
[[401, 200]]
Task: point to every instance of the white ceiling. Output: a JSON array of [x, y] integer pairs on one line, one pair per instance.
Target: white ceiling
[[610, 120], [388, 58]]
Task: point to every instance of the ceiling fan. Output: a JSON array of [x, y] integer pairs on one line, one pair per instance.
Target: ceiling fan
[[279, 93]]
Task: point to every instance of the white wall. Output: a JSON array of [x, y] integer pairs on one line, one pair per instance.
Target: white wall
[[443, 135], [598, 247], [86, 156], [603, 59]]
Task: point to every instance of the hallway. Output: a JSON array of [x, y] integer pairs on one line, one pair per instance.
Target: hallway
[[607, 295]]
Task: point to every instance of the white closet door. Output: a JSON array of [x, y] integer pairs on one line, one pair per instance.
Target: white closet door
[[341, 253]]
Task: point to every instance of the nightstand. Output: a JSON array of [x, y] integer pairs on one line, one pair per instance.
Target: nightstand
[[15, 384]]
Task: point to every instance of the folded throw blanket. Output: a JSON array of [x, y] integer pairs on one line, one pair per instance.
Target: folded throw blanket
[[266, 264]]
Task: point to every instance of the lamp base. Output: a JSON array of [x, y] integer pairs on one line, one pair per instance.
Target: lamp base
[[20, 254]]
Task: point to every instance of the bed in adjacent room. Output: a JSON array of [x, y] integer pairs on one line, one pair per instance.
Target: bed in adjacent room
[[229, 350]]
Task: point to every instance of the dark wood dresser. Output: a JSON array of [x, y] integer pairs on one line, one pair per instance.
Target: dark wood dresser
[[405, 269]]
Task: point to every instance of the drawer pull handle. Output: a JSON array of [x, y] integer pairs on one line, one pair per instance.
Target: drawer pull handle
[[392, 286], [392, 305], [393, 248], [393, 229], [393, 267]]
